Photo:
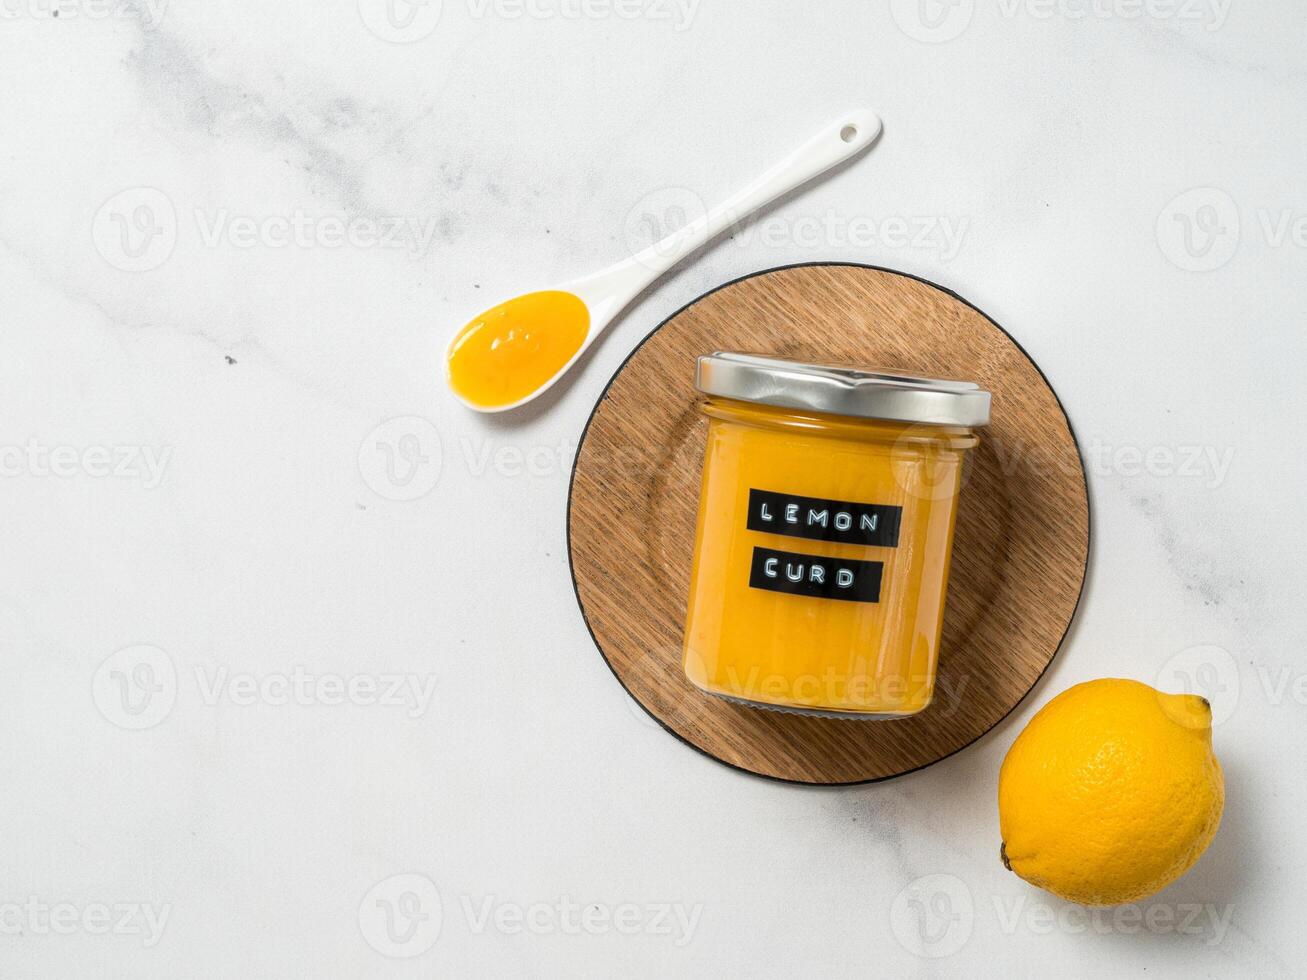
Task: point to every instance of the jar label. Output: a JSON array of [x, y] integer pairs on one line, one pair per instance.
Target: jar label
[[875, 525], [815, 575]]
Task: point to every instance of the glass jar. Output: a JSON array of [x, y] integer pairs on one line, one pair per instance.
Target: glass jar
[[824, 534]]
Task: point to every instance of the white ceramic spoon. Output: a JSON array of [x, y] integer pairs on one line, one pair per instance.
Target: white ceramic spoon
[[606, 293]]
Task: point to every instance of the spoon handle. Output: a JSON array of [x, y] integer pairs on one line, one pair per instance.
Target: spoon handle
[[837, 142]]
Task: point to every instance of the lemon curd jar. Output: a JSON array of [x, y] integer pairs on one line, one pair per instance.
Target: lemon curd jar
[[824, 534]]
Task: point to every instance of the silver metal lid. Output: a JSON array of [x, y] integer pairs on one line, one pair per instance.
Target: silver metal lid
[[837, 390]]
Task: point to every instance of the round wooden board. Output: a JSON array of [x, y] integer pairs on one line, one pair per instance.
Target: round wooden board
[[1020, 549]]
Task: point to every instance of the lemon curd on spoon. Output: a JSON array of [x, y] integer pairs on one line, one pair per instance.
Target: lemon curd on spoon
[[512, 350]]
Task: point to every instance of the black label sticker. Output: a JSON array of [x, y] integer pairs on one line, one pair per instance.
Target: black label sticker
[[876, 525], [814, 575]]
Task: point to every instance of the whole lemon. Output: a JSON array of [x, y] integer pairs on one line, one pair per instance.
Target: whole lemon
[[1111, 793]]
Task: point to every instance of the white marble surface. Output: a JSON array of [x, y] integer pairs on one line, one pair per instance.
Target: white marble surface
[[194, 364]]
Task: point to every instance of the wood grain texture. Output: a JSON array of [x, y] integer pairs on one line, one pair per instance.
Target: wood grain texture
[[1020, 549]]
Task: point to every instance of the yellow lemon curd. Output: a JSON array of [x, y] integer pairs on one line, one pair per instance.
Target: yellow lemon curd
[[774, 630], [1111, 793], [508, 352]]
